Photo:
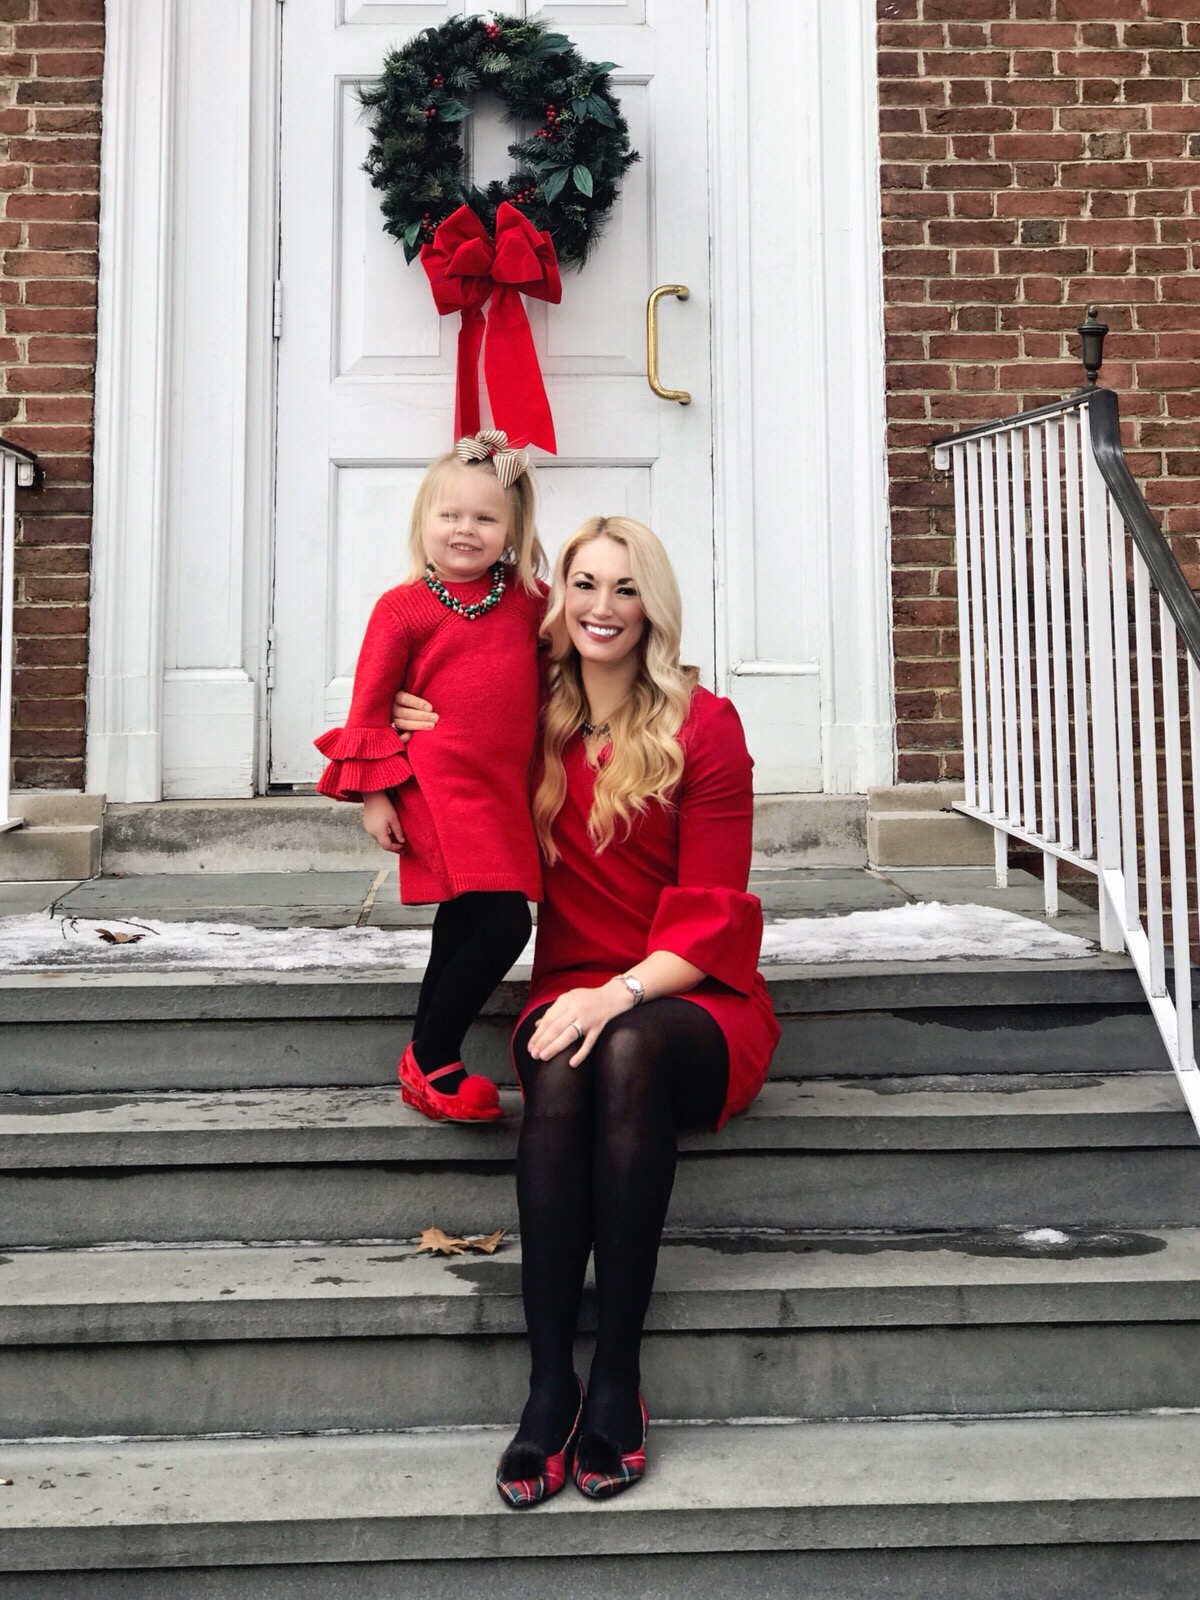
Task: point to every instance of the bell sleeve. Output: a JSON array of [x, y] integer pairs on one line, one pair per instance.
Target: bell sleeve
[[707, 918], [368, 754]]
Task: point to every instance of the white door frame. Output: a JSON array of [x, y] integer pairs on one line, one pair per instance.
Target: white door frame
[[185, 398], [185, 394]]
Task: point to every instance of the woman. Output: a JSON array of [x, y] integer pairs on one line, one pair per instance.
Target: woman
[[646, 1015]]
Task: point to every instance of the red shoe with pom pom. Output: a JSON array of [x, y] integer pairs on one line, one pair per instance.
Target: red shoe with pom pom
[[477, 1100]]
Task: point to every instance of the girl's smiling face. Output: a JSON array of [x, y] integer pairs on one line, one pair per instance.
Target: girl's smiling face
[[467, 526], [603, 612]]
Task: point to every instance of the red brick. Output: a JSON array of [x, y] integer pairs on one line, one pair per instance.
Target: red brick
[[981, 119], [60, 292], [1035, 91], [58, 91], [61, 236], [982, 176], [53, 207], [967, 232], [56, 36], [976, 203], [1100, 63], [50, 264], [63, 178], [47, 319], [1038, 147], [70, 64]]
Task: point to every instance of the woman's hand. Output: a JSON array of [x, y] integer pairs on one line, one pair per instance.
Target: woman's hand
[[590, 1008], [411, 714], [382, 822]]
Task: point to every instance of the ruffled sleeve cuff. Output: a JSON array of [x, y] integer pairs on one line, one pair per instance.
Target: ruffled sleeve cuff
[[362, 761], [718, 930]]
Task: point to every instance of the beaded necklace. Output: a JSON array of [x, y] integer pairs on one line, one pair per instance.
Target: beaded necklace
[[588, 729], [453, 603]]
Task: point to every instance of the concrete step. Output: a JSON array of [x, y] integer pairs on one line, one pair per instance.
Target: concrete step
[[295, 1164], [295, 833], [401, 1498], [60, 836], [130, 1032], [186, 1341]]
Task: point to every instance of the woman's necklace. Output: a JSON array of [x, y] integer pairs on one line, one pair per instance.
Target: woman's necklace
[[590, 730], [453, 603]]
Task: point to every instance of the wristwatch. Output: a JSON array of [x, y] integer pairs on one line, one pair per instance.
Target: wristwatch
[[635, 986]]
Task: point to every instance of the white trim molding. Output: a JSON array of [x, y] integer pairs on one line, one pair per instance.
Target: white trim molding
[[799, 401], [125, 680], [185, 398]]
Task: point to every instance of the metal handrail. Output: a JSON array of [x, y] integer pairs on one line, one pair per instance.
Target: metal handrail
[[18, 469], [1073, 706]]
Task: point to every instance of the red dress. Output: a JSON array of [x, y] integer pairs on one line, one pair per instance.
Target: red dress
[[463, 787], [677, 883]]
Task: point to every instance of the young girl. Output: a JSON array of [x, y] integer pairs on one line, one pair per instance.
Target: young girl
[[454, 804]]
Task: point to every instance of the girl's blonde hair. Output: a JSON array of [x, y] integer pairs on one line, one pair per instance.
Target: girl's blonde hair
[[524, 551], [646, 759]]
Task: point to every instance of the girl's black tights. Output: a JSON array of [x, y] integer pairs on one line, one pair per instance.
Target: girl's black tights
[[595, 1169], [476, 939]]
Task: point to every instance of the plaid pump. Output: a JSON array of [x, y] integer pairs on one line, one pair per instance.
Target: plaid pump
[[540, 1484], [602, 1485], [477, 1100]]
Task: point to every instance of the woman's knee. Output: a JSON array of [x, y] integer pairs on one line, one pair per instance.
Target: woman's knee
[[554, 1088], [628, 1065]]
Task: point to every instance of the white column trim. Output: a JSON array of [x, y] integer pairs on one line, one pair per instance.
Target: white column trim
[[132, 402], [168, 714], [840, 376]]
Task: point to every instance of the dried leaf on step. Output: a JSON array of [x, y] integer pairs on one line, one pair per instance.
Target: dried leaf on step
[[6, 1483], [438, 1243], [110, 937], [487, 1244]]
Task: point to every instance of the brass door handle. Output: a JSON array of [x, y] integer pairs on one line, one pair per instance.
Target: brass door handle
[[679, 290]]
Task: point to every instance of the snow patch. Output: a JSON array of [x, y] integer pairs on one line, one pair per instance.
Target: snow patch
[[931, 932], [1045, 1236]]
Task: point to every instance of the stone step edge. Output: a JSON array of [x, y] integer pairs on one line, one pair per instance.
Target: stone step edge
[[892, 1484], [754, 1281], [354, 1125], [142, 996]]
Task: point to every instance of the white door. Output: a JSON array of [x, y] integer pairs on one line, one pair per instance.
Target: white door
[[366, 374]]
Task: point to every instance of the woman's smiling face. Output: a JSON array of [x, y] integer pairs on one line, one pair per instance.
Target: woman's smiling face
[[603, 613]]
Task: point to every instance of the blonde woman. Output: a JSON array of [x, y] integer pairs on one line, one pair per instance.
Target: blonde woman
[[647, 1014]]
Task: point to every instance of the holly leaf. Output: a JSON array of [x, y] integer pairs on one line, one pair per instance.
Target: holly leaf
[[601, 111], [453, 111], [110, 937], [603, 66], [579, 106], [555, 183], [438, 1243], [551, 43], [581, 178], [411, 232], [488, 1243]]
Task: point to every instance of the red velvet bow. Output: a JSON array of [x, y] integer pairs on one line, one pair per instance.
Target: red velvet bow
[[465, 269]]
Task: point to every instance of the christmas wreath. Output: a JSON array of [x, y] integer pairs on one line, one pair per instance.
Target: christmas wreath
[[567, 171]]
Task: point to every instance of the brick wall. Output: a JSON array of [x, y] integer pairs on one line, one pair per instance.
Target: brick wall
[[51, 55], [1036, 155]]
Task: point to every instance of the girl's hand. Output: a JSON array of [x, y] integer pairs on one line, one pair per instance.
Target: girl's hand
[[382, 822], [590, 1008], [411, 714]]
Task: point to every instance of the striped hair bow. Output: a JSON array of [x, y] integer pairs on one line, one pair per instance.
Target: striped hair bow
[[492, 444]]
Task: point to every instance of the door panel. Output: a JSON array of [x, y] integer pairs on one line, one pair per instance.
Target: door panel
[[367, 367]]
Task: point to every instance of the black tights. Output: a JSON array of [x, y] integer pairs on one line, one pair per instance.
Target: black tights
[[595, 1168], [476, 939]]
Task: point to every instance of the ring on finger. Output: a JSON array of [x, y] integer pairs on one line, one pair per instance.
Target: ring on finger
[[580, 1031]]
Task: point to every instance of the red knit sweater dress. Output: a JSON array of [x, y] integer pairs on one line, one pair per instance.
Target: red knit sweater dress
[[463, 787], [678, 883]]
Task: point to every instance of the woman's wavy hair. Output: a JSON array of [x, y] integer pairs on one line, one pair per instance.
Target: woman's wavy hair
[[523, 552], [646, 759]]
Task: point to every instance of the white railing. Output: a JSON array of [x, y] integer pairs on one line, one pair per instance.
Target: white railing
[[18, 469], [1080, 649]]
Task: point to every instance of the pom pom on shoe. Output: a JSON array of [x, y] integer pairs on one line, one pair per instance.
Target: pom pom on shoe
[[523, 1459], [596, 1454], [478, 1094]]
